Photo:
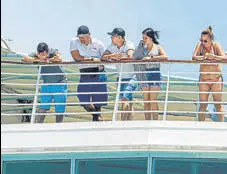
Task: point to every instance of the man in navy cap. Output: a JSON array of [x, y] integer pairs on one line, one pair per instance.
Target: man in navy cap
[[86, 48], [120, 48]]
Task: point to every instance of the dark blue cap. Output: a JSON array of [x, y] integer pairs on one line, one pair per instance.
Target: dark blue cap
[[82, 30], [117, 31]]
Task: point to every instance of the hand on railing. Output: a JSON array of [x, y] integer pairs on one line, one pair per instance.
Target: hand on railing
[[27, 59], [55, 59]]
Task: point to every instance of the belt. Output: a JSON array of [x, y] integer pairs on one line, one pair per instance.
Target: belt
[[93, 69]]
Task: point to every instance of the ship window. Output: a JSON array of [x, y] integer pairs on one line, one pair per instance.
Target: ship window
[[189, 166], [112, 166], [37, 167]]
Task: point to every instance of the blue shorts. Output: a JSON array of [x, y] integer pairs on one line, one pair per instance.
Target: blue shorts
[[58, 98], [153, 78], [127, 88], [88, 88]]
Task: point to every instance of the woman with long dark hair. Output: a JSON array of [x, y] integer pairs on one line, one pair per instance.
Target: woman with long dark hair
[[150, 49]]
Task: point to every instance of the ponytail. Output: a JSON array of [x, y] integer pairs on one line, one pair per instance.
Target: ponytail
[[209, 32]]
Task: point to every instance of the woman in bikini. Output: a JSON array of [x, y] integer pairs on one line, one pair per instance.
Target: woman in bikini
[[210, 74]]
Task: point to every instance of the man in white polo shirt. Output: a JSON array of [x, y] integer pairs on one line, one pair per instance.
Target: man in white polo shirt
[[86, 48], [120, 48]]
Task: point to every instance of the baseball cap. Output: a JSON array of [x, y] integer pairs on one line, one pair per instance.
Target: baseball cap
[[82, 30], [42, 47], [117, 31]]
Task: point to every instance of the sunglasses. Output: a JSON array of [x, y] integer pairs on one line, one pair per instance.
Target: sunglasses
[[203, 41]]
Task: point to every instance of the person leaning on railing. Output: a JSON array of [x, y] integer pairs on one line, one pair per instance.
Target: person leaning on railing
[[86, 48], [120, 48], [149, 49], [207, 50], [45, 55]]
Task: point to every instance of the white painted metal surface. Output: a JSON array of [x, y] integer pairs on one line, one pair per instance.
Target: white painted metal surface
[[114, 136]]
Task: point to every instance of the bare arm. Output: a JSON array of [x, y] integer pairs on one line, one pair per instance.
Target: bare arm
[[107, 55], [196, 55], [220, 53], [77, 57], [27, 59], [163, 55], [56, 58]]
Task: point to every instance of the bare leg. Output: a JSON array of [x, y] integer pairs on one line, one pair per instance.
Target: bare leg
[[218, 98], [125, 107], [40, 118], [147, 106], [203, 97], [153, 97], [130, 116]]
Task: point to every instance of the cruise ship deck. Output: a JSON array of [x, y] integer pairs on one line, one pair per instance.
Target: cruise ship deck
[[175, 144]]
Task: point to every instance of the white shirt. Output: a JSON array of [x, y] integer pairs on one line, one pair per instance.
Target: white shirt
[[125, 67], [94, 49]]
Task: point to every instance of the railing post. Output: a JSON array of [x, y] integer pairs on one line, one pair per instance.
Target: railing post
[[117, 95], [167, 93], [197, 107], [36, 96]]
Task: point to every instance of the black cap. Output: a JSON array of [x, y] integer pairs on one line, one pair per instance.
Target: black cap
[[117, 31], [82, 30], [42, 47]]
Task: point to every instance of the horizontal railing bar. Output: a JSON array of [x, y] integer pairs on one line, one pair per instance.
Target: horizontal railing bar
[[109, 112], [120, 61], [116, 82], [110, 73], [134, 92], [109, 102]]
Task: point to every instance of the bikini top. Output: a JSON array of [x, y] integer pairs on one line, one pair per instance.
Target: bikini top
[[212, 48]]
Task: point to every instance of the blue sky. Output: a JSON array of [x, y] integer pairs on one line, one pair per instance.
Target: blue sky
[[180, 22]]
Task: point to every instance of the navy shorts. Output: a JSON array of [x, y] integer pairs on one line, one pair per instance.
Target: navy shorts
[[88, 88], [153, 77]]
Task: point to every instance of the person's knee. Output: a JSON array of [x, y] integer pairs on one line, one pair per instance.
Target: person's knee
[[203, 106], [40, 110], [218, 106]]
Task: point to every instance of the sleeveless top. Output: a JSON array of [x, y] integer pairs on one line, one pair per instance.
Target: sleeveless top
[[153, 52]]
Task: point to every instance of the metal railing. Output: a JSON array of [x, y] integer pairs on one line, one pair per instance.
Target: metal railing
[[22, 81]]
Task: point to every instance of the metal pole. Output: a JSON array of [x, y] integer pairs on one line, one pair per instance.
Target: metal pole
[[117, 95], [167, 93], [197, 107], [36, 96]]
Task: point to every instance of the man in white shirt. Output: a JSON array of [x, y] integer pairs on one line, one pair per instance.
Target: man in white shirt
[[120, 48], [86, 48]]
